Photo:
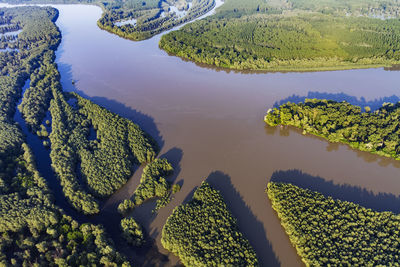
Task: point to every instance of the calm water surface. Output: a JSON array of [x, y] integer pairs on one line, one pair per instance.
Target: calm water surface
[[210, 125]]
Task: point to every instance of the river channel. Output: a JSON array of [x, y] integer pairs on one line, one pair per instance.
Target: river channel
[[209, 123]]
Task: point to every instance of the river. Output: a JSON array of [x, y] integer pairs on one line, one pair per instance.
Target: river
[[209, 123]]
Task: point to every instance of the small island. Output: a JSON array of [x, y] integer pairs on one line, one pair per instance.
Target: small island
[[376, 132]]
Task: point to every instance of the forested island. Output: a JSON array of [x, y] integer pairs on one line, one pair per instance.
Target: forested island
[[376, 132], [203, 232], [327, 232], [292, 35]]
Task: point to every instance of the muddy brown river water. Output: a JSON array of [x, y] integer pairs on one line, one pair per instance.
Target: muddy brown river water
[[209, 124]]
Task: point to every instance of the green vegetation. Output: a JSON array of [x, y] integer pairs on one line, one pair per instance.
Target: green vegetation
[[277, 42], [35, 232], [132, 232], [327, 232], [153, 184], [67, 133], [292, 35], [376, 132], [106, 163], [204, 233], [238, 8], [36, 43]]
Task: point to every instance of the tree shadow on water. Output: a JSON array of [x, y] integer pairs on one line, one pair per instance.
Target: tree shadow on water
[[174, 156], [248, 223], [358, 195], [189, 196], [368, 157], [339, 97]]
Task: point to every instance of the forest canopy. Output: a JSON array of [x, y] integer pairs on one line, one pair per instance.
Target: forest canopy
[[203, 232]]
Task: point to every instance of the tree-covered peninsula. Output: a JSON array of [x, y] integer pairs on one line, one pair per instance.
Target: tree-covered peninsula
[[328, 232], [376, 132], [203, 232], [292, 35]]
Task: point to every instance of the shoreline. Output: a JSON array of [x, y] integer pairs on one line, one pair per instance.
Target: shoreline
[[293, 69]]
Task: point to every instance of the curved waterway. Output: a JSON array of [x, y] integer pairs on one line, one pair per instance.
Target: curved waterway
[[210, 125]]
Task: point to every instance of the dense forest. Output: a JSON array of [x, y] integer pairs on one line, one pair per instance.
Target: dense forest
[[37, 97], [292, 35], [132, 232], [33, 230], [376, 132], [331, 232], [204, 233]]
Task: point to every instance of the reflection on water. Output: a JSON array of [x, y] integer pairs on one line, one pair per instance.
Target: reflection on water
[[214, 120], [374, 104], [285, 131], [393, 68]]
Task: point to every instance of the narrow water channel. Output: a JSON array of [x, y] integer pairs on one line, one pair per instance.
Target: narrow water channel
[[43, 162], [210, 124]]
